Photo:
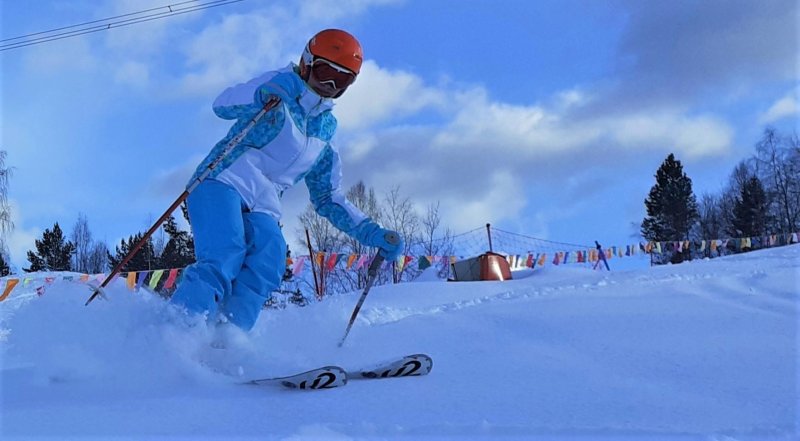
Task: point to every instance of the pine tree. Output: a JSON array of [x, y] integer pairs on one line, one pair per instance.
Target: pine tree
[[671, 206], [179, 250], [144, 259], [53, 252], [4, 268], [750, 212]]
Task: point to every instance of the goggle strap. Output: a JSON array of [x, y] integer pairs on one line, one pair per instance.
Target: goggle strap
[[308, 57]]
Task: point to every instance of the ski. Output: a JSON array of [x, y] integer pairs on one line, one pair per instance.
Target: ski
[[415, 365], [330, 377], [327, 377]]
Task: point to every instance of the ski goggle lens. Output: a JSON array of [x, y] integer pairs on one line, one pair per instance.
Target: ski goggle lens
[[327, 72]]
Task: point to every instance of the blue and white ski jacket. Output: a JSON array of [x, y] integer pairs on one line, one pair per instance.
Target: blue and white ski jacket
[[291, 142]]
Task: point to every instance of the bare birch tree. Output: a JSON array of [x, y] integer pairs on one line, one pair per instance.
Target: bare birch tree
[[82, 238], [779, 163], [435, 242], [6, 224]]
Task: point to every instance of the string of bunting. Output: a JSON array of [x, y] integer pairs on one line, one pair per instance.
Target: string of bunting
[[135, 280]]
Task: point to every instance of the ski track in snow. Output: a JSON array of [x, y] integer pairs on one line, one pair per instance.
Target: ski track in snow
[[703, 350]]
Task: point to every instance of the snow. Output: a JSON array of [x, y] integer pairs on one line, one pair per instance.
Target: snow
[[702, 350]]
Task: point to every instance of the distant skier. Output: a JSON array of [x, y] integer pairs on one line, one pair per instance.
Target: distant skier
[[234, 213]]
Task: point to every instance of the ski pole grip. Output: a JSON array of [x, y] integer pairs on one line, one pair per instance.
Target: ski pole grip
[[392, 238]]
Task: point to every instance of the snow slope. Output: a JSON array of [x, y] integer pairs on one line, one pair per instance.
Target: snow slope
[[702, 350]]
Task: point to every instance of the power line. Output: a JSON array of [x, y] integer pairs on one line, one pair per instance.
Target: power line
[[96, 21], [107, 23]]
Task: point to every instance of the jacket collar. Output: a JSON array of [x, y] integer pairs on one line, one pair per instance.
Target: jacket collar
[[309, 100]]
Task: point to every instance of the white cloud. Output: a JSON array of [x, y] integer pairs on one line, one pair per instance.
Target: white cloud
[[571, 98], [537, 131], [501, 198], [695, 137], [380, 95], [361, 145], [523, 131], [785, 107], [237, 49]]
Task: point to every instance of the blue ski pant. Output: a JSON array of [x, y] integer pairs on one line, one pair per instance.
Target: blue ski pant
[[241, 257]]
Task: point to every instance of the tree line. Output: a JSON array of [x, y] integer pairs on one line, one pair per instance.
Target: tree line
[[80, 252], [761, 198]]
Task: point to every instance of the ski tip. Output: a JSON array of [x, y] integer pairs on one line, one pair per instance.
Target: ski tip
[[415, 365], [426, 363]]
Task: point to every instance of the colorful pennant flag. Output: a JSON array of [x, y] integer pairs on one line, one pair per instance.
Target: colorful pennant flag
[[361, 261], [155, 278], [299, 265], [10, 284], [173, 275], [140, 281], [423, 263], [131, 280], [331, 263], [350, 260]]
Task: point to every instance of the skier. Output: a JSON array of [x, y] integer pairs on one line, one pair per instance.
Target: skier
[[234, 213]]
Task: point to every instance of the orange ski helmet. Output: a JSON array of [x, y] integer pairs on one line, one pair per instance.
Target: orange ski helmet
[[337, 46]]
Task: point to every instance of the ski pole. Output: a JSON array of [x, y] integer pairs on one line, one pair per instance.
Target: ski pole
[[228, 148], [372, 273]]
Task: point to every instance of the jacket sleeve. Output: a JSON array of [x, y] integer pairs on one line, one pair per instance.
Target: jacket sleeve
[[323, 181], [237, 101], [243, 100]]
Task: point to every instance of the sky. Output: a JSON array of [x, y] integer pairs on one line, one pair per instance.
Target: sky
[[545, 118]]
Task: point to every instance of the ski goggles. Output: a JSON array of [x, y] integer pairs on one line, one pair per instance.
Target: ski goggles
[[328, 72]]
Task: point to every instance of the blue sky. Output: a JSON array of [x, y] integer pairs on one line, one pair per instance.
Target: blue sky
[[548, 118]]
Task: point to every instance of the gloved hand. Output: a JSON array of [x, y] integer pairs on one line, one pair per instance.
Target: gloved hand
[[372, 235], [390, 244]]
